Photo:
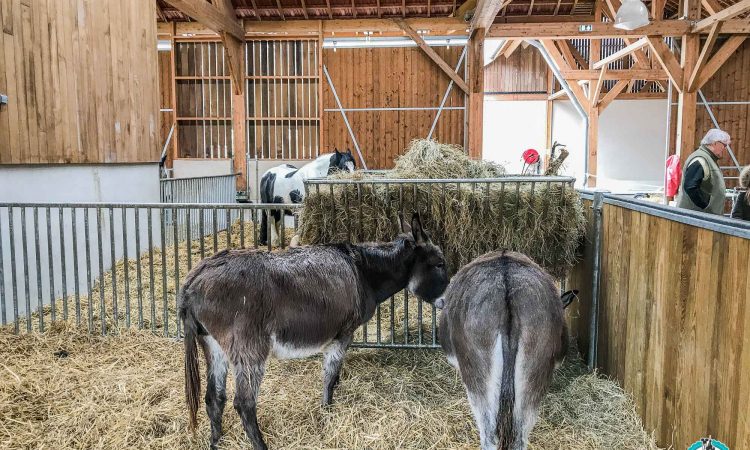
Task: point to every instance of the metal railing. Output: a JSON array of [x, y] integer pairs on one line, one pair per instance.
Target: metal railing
[[211, 189], [109, 266]]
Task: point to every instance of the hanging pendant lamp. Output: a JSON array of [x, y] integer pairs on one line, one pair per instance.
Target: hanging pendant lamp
[[631, 15]]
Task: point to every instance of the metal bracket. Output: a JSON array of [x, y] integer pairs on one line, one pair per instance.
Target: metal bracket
[[3, 99]]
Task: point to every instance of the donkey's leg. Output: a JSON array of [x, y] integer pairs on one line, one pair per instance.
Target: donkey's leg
[[216, 385], [332, 361], [248, 375], [533, 373], [263, 238], [481, 369]]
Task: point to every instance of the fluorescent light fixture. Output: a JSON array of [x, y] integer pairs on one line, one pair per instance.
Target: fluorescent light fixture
[[163, 45], [631, 15], [448, 41]]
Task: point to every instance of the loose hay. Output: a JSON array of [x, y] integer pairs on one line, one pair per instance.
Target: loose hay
[[545, 222], [126, 391]]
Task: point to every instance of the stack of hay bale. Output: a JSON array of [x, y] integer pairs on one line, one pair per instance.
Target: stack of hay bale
[[545, 221]]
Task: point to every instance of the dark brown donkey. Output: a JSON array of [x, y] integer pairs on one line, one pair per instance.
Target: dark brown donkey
[[243, 306], [502, 326]]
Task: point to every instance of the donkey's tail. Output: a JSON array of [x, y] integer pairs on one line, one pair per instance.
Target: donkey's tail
[[192, 376], [511, 332]]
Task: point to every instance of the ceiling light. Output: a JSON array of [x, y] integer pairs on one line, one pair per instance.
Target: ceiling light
[[631, 15]]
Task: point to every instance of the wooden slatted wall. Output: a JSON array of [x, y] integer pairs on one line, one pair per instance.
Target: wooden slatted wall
[[80, 77], [386, 78], [524, 72], [674, 325]]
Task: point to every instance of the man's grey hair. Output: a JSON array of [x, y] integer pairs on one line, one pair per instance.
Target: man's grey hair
[[715, 135]]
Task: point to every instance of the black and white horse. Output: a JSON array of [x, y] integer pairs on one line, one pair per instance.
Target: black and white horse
[[285, 184], [503, 329], [243, 306]]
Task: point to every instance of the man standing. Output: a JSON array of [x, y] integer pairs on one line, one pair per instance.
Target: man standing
[[703, 187]]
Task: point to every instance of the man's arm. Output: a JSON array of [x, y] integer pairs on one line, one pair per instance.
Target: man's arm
[[692, 185]]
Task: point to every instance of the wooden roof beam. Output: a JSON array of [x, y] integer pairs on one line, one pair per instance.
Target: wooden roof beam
[[304, 9], [512, 47], [255, 9], [485, 14], [712, 6], [637, 45], [235, 48], [713, 35], [597, 88], [465, 7], [330, 11], [500, 50], [612, 94], [211, 16], [725, 14], [569, 30], [576, 55], [667, 60], [280, 9], [432, 54], [558, 59], [628, 74], [715, 63]]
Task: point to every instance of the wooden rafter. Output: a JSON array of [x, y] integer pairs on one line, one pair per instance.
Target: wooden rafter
[[354, 9], [234, 48], [403, 8], [568, 53], [612, 94], [330, 11], [432, 54], [512, 47], [667, 60], [637, 45], [429, 8], [304, 9], [657, 9], [721, 56], [379, 12], [577, 55], [210, 16], [531, 8], [280, 9], [557, 8], [713, 35], [160, 13], [597, 88], [255, 9], [558, 59], [500, 50], [725, 14], [712, 6], [485, 13]]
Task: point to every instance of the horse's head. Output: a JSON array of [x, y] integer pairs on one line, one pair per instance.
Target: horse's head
[[343, 161], [429, 277]]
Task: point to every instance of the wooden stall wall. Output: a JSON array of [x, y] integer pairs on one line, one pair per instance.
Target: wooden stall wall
[[731, 83], [674, 325], [81, 80], [578, 314], [525, 72], [166, 100], [401, 77]]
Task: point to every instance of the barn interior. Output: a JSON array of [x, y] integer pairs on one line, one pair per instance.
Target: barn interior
[[121, 122]]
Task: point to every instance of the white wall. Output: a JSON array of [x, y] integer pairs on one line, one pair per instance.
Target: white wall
[[111, 183], [187, 168], [511, 127], [632, 142]]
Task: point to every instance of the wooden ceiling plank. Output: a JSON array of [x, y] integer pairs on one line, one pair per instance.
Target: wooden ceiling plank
[[721, 56], [713, 35], [637, 45], [432, 54], [667, 60], [725, 14], [210, 16]]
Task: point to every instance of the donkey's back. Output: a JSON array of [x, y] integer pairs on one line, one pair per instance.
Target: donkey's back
[[503, 327]]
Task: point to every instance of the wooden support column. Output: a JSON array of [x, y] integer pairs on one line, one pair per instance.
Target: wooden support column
[[686, 100], [475, 57], [592, 137], [239, 131]]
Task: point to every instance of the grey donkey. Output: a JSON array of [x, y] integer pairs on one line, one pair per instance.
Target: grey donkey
[[502, 327], [243, 306]]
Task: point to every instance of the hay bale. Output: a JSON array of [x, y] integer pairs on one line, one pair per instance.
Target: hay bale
[[546, 222], [68, 389]]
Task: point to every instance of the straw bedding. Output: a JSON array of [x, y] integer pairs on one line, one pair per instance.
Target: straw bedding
[[66, 388], [545, 222]]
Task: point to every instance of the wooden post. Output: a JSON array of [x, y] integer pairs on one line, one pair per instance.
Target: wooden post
[[239, 131], [592, 137], [475, 65], [686, 101]]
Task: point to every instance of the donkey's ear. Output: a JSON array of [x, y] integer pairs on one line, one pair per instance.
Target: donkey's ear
[[403, 225], [420, 235], [568, 297]]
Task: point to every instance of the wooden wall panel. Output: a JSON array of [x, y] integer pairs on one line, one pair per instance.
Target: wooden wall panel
[[81, 80], [389, 78], [524, 72], [674, 325]]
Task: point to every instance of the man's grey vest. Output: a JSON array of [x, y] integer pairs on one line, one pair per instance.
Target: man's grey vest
[[712, 185]]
